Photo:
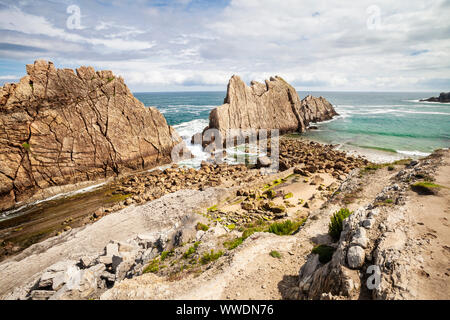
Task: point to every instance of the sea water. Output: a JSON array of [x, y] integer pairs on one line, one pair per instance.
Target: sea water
[[381, 125]]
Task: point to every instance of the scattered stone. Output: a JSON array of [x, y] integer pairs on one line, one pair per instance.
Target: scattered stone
[[355, 257]]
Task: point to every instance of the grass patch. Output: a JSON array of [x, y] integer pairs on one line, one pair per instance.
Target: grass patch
[[285, 228], [388, 201], [191, 250], [210, 257], [118, 197], [201, 226], [231, 226], [325, 252], [153, 266], [275, 254], [166, 254], [425, 187], [335, 226]]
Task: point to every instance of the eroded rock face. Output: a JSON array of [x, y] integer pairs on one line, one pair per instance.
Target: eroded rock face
[[273, 105], [59, 127]]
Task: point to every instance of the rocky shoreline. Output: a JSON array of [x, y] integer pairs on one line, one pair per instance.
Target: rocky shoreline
[[142, 187]]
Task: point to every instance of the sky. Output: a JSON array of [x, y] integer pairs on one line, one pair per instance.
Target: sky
[[187, 45]]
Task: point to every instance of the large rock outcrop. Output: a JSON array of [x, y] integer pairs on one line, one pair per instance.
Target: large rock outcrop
[[444, 97], [59, 127], [273, 105]]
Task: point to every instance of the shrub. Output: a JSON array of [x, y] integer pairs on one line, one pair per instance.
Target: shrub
[[166, 254], [26, 146], [275, 254], [231, 226], [191, 250], [285, 228], [325, 252], [335, 226], [212, 209], [210, 257], [390, 168], [201, 226], [230, 245], [153, 266]]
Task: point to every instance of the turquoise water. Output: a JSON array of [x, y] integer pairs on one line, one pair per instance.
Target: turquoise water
[[393, 122]]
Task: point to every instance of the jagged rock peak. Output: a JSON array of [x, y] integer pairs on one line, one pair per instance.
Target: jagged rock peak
[[60, 127], [272, 105]]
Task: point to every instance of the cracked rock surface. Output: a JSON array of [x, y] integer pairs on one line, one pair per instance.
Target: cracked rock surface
[[60, 127]]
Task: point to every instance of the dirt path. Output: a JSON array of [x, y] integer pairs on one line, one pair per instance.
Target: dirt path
[[430, 225]]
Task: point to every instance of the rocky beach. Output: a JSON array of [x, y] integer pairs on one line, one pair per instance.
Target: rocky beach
[[148, 226]]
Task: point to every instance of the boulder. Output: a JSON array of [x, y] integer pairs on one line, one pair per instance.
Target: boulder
[[355, 257], [444, 97], [60, 127]]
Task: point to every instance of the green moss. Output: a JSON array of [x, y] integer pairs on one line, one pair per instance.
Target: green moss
[[201, 226], [288, 195], [335, 226], [210, 257], [388, 201], [26, 146], [191, 250], [275, 254], [325, 252], [153, 266], [118, 197]]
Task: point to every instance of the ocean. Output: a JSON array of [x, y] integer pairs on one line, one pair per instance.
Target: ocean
[[383, 126]]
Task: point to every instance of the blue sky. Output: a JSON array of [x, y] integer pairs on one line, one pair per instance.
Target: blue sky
[[184, 45]]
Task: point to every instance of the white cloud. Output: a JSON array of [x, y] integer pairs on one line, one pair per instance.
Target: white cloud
[[314, 44]]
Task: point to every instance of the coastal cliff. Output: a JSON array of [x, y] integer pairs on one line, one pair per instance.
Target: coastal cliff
[[59, 127], [273, 105]]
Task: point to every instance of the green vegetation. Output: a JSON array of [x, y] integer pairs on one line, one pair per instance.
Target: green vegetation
[[118, 197], [288, 195], [191, 250], [166, 254], [110, 79], [230, 245], [275, 254], [153, 266], [270, 194], [26, 146], [210, 257], [388, 201], [285, 228], [212, 209], [390, 168], [201, 226], [425, 187], [325, 252], [335, 226], [231, 226]]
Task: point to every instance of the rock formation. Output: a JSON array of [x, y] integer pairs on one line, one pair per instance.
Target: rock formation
[[59, 127], [443, 97], [273, 105]]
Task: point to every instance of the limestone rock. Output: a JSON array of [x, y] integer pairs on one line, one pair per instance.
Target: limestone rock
[[61, 127], [355, 257], [273, 105]]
